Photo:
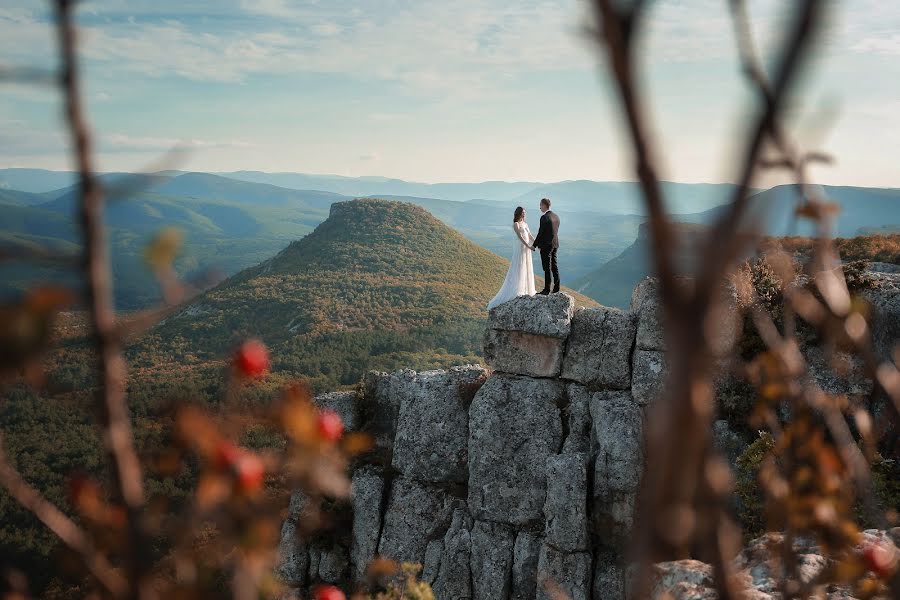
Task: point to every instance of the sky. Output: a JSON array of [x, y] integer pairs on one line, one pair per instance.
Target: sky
[[429, 90]]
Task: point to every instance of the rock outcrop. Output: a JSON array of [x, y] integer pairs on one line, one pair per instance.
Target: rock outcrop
[[517, 481]]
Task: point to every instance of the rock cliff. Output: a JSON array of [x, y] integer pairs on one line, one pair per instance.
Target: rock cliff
[[509, 481]]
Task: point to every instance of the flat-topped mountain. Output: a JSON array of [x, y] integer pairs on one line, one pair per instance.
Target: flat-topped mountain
[[378, 284]]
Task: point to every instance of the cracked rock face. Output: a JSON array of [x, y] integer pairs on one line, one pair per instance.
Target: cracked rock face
[[454, 579], [619, 463], [492, 560], [432, 438], [514, 426], [648, 375], [366, 492], [562, 572], [566, 507], [599, 351], [415, 514], [645, 304]]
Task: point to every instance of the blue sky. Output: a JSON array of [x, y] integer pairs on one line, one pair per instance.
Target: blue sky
[[430, 90]]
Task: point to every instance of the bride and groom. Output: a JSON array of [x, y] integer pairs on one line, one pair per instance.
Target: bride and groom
[[520, 277]]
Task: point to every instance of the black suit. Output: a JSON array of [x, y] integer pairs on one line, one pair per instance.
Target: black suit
[[547, 241]]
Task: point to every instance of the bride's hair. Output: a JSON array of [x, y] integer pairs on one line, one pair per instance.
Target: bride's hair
[[517, 216]]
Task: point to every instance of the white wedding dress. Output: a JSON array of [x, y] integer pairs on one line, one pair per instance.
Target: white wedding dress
[[520, 277]]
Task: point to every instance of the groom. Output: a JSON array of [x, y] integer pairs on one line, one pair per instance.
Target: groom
[[548, 243]]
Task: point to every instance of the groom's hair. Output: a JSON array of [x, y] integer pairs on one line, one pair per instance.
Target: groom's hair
[[545, 202]]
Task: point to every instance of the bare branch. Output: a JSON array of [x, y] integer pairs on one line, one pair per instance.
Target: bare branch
[[112, 408]]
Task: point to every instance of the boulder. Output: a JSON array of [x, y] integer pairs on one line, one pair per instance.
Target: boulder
[[523, 353], [566, 505], [416, 513], [598, 353], [492, 558], [885, 321], [838, 373], [293, 559], [578, 413], [346, 404], [366, 492], [548, 316], [645, 303], [619, 463], [560, 572], [432, 437], [527, 335], [454, 579], [514, 425], [526, 553], [648, 375]]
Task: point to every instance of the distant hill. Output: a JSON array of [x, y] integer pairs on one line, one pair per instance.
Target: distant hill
[[379, 284], [35, 180], [860, 209], [612, 283]]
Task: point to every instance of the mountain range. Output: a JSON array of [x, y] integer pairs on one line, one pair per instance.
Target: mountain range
[[235, 220]]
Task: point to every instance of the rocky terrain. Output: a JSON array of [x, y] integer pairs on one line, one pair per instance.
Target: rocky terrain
[[517, 480]]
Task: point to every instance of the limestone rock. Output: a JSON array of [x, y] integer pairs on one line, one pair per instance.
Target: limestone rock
[[645, 303], [382, 393], [293, 560], [683, 580], [367, 492], [415, 514], [346, 404], [841, 373], [568, 573], [609, 578], [549, 316], [526, 553], [432, 564], [431, 442], [648, 375], [333, 564], [523, 353], [454, 580], [618, 439], [578, 412], [885, 321], [599, 349], [566, 506], [492, 558], [514, 425]]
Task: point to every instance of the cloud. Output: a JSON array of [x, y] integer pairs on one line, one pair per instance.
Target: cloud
[[124, 142], [367, 157]]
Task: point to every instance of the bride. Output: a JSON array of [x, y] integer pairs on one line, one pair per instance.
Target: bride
[[520, 277]]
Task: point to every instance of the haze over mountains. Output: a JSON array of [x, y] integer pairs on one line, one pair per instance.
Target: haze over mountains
[[235, 221]]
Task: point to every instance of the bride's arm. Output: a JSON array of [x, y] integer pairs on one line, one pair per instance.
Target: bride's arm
[[519, 235]]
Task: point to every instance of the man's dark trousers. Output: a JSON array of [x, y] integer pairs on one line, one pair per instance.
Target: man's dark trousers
[[548, 262]]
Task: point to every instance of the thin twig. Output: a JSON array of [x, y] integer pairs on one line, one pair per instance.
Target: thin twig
[[126, 467]]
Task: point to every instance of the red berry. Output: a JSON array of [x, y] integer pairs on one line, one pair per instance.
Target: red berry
[[249, 472], [331, 427], [328, 592], [225, 454], [879, 559], [252, 359]]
